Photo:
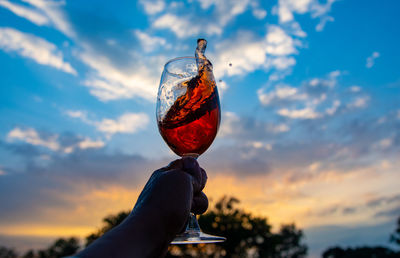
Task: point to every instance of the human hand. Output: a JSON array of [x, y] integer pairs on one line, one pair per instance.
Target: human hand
[[160, 213], [171, 193]]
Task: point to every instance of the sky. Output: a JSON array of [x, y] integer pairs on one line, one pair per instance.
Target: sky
[[310, 98]]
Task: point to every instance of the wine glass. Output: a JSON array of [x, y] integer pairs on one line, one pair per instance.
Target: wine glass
[[188, 116]]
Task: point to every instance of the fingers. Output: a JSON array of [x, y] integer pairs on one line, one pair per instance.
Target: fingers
[[204, 178], [176, 164], [190, 166], [199, 203]]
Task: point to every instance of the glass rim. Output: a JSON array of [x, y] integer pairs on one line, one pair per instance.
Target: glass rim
[[177, 59]]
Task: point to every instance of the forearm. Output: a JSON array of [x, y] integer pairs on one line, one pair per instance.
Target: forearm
[[140, 235]]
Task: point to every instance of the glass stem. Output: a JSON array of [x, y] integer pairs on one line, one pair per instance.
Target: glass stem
[[192, 225], [193, 155]]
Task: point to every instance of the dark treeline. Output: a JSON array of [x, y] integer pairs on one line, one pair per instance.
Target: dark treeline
[[247, 236]]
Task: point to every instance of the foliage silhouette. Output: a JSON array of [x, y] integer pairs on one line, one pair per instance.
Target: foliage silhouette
[[6, 252], [247, 235], [364, 252], [395, 237], [60, 248]]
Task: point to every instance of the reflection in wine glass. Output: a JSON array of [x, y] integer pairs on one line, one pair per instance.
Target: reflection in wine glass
[[188, 117]]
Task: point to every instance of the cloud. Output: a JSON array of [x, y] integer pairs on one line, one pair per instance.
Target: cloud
[[247, 53], [53, 11], [35, 48], [87, 185], [88, 143], [259, 13], [371, 59], [280, 93], [225, 11], [65, 143], [30, 14], [31, 136], [332, 110], [287, 8], [321, 25], [229, 119], [359, 102], [278, 42], [305, 113], [77, 114], [183, 27], [315, 98], [248, 129], [149, 43], [108, 82], [153, 7], [355, 88], [222, 13], [126, 123], [42, 12]]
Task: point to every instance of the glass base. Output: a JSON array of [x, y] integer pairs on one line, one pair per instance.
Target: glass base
[[196, 238], [193, 234]]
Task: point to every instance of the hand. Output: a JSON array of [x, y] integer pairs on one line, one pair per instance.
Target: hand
[[161, 212], [172, 192]]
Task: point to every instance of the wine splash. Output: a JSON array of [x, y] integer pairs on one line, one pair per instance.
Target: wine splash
[[191, 123]]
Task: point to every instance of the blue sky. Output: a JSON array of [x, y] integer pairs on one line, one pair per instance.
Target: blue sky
[[310, 124]]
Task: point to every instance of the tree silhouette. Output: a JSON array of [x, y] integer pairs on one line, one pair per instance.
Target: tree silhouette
[[60, 248], [395, 237], [7, 252], [364, 252], [246, 234]]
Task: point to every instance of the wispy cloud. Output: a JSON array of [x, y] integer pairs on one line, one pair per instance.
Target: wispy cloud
[[182, 25], [107, 81], [248, 129], [53, 10], [313, 99], [321, 25], [359, 102], [52, 141], [305, 113], [42, 12], [245, 52], [126, 123], [30, 14], [31, 136], [371, 59], [152, 7], [281, 93], [287, 8], [150, 43], [35, 48]]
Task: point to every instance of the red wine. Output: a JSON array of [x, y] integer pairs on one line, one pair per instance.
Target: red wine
[[191, 124]]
